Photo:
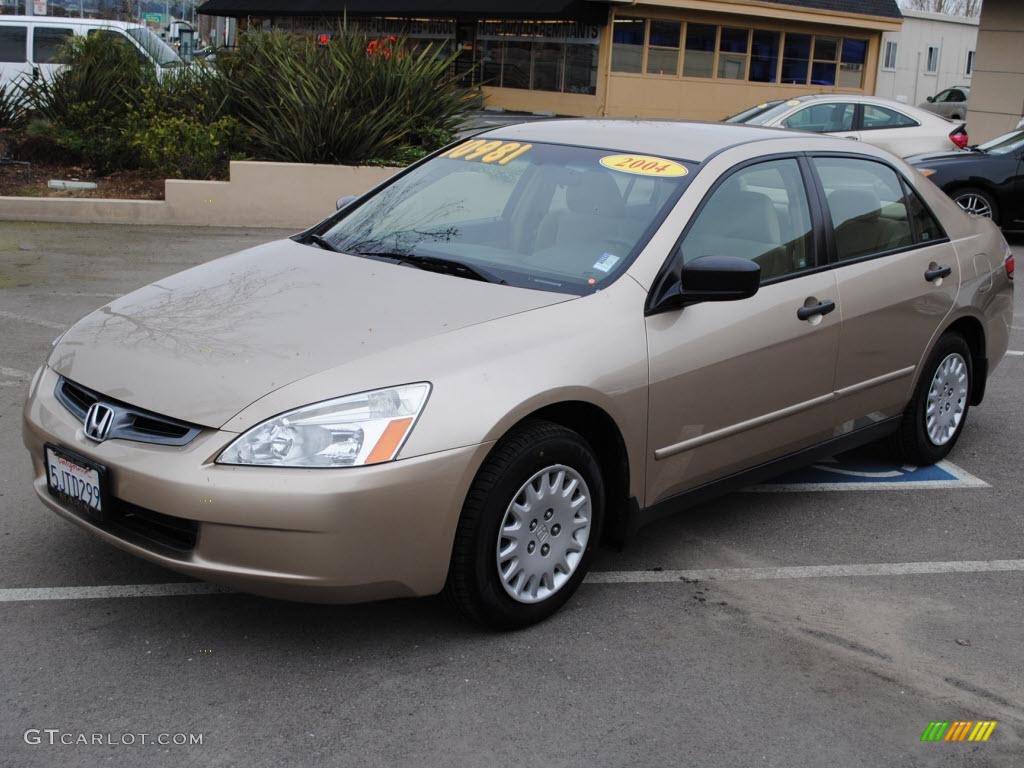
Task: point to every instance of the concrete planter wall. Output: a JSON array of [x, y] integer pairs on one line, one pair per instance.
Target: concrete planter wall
[[257, 195]]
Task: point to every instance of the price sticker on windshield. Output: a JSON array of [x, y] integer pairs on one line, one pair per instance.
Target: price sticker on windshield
[[643, 165], [496, 152]]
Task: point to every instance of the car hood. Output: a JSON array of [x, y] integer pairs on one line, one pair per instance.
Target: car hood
[[934, 157], [203, 344]]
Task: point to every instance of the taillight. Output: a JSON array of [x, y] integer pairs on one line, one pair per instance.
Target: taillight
[[1009, 266], [959, 137]]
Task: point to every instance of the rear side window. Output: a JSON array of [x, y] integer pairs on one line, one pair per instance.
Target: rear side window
[[822, 118], [867, 204], [882, 117], [46, 43], [13, 46], [759, 213], [926, 226]]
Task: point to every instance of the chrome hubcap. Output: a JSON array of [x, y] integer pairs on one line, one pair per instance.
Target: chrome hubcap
[[544, 534], [947, 399], [975, 204]]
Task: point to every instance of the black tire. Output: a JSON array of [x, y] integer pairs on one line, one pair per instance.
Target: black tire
[[474, 585], [964, 192], [911, 443]]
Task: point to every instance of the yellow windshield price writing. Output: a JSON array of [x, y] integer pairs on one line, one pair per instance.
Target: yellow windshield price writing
[[643, 165], [499, 152]]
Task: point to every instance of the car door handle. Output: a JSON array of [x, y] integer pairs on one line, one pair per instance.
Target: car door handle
[[934, 273], [821, 308]]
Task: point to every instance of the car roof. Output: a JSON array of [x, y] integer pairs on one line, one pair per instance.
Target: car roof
[[685, 140], [75, 21]]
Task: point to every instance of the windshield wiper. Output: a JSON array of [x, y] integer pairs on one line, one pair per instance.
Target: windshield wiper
[[437, 264], [323, 242]]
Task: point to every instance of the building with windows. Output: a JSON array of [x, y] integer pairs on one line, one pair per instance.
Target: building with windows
[[930, 54], [698, 59], [997, 98]]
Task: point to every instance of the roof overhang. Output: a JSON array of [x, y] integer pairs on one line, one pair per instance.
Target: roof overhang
[[576, 10]]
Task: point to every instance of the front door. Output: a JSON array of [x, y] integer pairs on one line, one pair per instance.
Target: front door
[[734, 384], [894, 289]]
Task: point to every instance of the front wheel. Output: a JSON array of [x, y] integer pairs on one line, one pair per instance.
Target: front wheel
[[978, 202], [936, 415], [529, 526]]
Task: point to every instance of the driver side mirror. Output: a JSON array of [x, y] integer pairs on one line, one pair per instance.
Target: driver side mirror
[[708, 278], [345, 202], [930, 99]]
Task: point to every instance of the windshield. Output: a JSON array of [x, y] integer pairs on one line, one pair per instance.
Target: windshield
[[747, 114], [1005, 144], [765, 113], [542, 216], [161, 52]]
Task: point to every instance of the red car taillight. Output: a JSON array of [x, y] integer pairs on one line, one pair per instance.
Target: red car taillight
[[959, 137], [1009, 266]]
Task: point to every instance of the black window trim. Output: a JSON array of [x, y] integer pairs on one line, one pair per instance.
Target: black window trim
[[826, 219], [664, 277]]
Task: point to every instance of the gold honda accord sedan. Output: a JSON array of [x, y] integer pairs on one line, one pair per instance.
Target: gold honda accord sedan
[[531, 342]]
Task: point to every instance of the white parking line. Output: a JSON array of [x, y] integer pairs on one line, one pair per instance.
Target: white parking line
[[32, 320], [186, 589], [14, 373], [805, 572], [1015, 353]]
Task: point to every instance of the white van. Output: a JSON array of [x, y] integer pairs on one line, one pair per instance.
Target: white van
[[29, 44]]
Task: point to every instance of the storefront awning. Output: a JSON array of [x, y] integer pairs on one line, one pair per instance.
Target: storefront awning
[[577, 10]]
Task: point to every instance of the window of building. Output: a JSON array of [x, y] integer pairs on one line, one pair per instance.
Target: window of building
[[13, 47], [867, 205], [969, 70], [628, 44], [764, 56], [46, 42], [663, 47], [732, 53], [823, 67], [699, 60], [851, 62], [539, 56], [891, 47], [775, 230], [876, 117], [796, 58], [932, 61]]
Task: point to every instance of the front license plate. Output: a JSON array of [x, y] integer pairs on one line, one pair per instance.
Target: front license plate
[[77, 482]]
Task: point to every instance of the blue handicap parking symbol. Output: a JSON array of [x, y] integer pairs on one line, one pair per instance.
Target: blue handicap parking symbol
[[869, 469]]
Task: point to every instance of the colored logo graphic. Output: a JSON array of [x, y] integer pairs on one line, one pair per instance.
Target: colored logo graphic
[[958, 730]]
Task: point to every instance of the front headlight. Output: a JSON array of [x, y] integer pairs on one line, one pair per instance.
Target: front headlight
[[367, 428]]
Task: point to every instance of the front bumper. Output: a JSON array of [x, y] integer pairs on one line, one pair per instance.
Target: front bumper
[[320, 535]]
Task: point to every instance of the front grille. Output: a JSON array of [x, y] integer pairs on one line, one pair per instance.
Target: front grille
[[149, 528], [129, 422]]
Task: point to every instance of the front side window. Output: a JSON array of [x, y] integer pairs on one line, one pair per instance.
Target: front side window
[[876, 117], [954, 95], [46, 43], [544, 216], [867, 204], [822, 118], [758, 213], [13, 44]]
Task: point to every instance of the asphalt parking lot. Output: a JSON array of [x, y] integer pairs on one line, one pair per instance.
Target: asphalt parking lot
[[814, 625]]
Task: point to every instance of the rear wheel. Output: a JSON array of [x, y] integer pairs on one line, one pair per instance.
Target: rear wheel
[[936, 415], [976, 201], [528, 529]]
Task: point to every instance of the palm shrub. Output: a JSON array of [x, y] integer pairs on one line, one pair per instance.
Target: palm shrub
[[340, 103], [11, 112]]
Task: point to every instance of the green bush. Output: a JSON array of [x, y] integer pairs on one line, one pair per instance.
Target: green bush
[[181, 147], [340, 103], [11, 113]]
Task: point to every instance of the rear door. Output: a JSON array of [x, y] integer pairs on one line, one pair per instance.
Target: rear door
[[894, 290], [896, 132], [736, 383], [14, 63]]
